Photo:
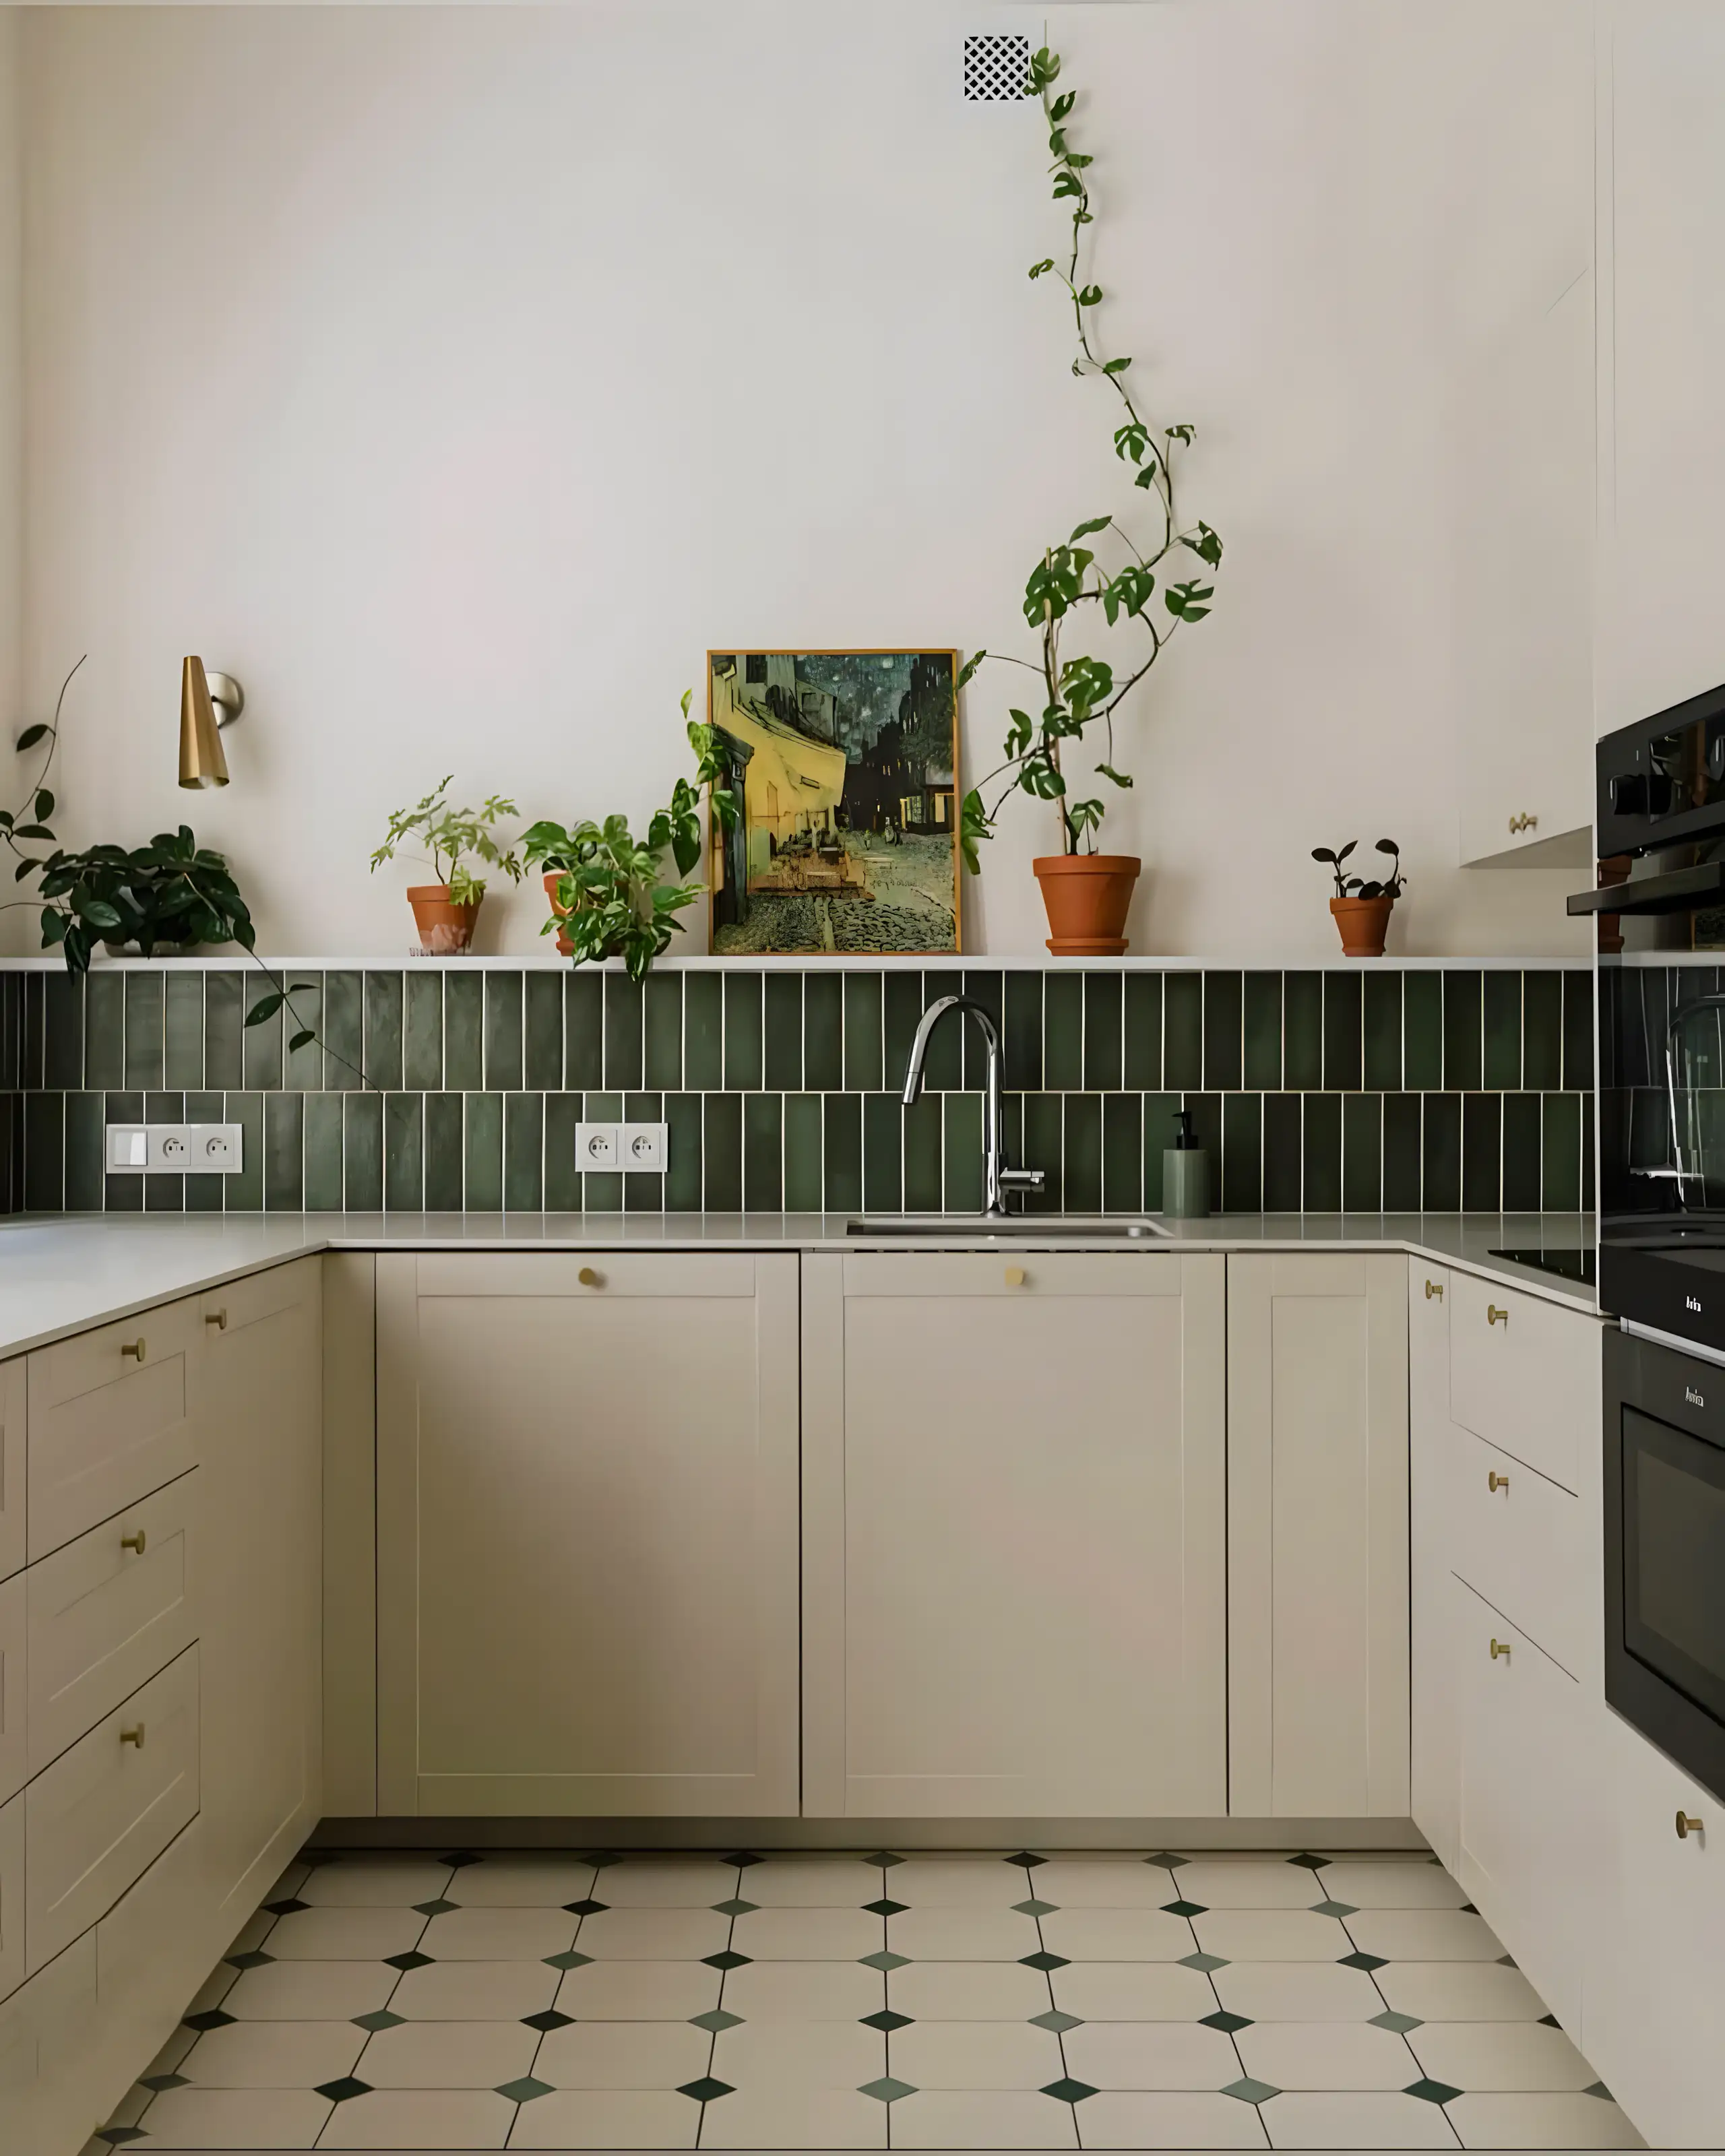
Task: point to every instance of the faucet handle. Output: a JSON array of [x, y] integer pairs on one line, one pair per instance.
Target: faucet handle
[[1022, 1179]]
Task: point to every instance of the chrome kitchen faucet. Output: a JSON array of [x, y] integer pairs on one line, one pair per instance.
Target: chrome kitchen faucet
[[997, 1178]]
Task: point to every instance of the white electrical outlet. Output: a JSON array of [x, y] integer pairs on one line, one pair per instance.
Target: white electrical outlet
[[169, 1153], [176, 1149], [644, 1145], [598, 1145], [215, 1148]]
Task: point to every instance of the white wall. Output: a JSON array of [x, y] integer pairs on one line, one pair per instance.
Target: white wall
[[12, 295], [456, 378]]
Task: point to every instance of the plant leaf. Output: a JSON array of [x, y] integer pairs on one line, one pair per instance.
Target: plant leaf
[[30, 737]]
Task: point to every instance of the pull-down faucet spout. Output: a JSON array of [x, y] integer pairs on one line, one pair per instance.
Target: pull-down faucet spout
[[999, 1180]]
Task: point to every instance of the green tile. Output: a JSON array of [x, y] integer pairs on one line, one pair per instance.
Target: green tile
[[901, 1008], [602, 1192], [1103, 1023], [1321, 1178], [782, 1032], [505, 1057], [922, 1155], [403, 1152], [1401, 1153], [22, 1024], [802, 1169], [261, 1048], [164, 1193], [323, 1179], [1158, 1136], [284, 1153], [1362, 1152], [1463, 1010], [703, 1031], [383, 1022], [244, 1192], [841, 1140], [63, 1024], [943, 1063], [482, 1156], [743, 1060], [762, 1152], [583, 1030], [989, 990], [343, 1031], [1242, 1164], [1521, 1153], [523, 1152], [883, 1152], [1383, 1032], [824, 1032], [303, 1067], [1560, 1153], [84, 1142], [1043, 1147], [1141, 1032], [1423, 1032], [464, 1032], [124, 1194], [1588, 1143], [1182, 1031], [865, 1067], [1481, 1153], [1578, 1032], [721, 1152], [1440, 1145], [1021, 1030], [443, 1149], [1542, 1032], [1206, 1112], [1222, 1032], [543, 1032], [423, 1025], [682, 1152], [143, 1030], [1122, 1153], [1260, 1021], [662, 1063], [182, 1031], [962, 1133], [362, 1152], [1342, 1056], [203, 1193], [44, 1151], [1502, 1062], [1303, 1032], [1062, 1032], [105, 1028], [1283, 1153]]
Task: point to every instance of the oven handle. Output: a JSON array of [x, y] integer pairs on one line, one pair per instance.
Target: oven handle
[[1637, 1330]]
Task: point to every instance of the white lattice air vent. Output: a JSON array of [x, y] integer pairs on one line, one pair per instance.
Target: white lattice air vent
[[996, 65]]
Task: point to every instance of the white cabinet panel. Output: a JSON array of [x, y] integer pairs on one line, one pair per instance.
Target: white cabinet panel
[[1433, 1591], [12, 1895], [14, 1687], [1317, 1535], [1524, 1375], [13, 1387], [1013, 1572], [1522, 1543]]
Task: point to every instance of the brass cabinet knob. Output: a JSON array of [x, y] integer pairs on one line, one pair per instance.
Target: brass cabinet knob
[[1014, 1275], [1434, 1290], [219, 1318], [133, 1736], [1523, 822], [133, 1542], [134, 1348], [1494, 1481], [1500, 1650], [1687, 1826], [1494, 1315], [588, 1278]]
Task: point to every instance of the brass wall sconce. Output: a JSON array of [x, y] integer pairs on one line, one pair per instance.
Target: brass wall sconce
[[207, 703]]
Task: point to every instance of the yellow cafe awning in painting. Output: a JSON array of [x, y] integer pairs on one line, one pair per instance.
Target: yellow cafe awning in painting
[[805, 777]]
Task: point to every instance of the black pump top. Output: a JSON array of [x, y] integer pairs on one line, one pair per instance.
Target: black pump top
[[1184, 1141]]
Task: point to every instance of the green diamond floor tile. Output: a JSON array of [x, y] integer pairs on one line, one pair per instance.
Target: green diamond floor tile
[[1362, 1961], [1027, 1858], [887, 2090], [1431, 2092], [1508, 1961], [1398, 2024], [706, 2090], [525, 2090], [735, 1908], [1312, 1863], [1226, 2021], [1055, 2021], [1334, 1909], [1167, 1859], [382, 2019], [600, 1858], [1044, 1961], [587, 1907], [883, 1857], [547, 2021], [159, 2082], [1600, 2090], [887, 1907], [1184, 1908], [568, 1960], [117, 2136], [1550, 2021], [730, 1958], [340, 2091], [887, 2019], [213, 2018], [718, 2019], [1250, 2091], [1067, 2091], [411, 1959], [438, 1908], [885, 1960], [1035, 1909], [248, 1960], [744, 1857], [1203, 1961], [458, 1859]]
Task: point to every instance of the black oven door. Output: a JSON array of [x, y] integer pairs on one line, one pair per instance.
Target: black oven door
[[1665, 1554]]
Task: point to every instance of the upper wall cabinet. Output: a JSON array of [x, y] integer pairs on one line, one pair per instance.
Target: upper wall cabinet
[[586, 1534], [1014, 1580]]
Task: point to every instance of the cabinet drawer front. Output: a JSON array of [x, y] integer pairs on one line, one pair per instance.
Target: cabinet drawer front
[[1520, 1543], [1524, 1374], [107, 1426], [106, 1808], [105, 1615], [13, 1548], [612, 1274], [12, 1895], [919, 1273], [14, 1664]]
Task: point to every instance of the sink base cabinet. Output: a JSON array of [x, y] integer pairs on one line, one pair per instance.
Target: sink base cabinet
[[1014, 1601]]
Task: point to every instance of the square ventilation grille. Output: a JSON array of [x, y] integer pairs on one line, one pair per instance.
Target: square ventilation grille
[[996, 66]]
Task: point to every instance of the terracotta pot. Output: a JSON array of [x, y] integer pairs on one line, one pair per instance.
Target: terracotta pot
[[445, 929], [1086, 896], [1613, 870], [554, 878], [1363, 923]]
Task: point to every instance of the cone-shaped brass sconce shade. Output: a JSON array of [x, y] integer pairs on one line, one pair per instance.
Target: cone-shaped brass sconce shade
[[201, 762]]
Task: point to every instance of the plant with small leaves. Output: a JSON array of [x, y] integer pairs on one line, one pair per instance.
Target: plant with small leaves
[[1353, 886], [448, 837], [1079, 693]]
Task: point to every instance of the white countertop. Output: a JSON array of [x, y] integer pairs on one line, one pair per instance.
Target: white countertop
[[61, 1273]]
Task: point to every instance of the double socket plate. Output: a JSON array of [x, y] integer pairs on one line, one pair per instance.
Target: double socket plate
[[176, 1149]]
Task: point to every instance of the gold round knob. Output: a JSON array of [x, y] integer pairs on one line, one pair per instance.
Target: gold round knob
[[133, 1542], [1434, 1288], [134, 1348], [1687, 1826], [219, 1318], [1014, 1275], [1500, 1650], [1494, 1315], [588, 1278], [1494, 1481], [133, 1736]]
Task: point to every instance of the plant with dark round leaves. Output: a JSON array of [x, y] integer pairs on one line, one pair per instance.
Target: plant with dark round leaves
[[172, 893], [1347, 886]]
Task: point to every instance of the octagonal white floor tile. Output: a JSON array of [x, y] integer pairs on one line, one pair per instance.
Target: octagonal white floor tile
[[1379, 1885], [1103, 1883], [1458, 1991], [1354, 2118], [670, 1882], [760, 2057], [230, 2119], [1526, 2120], [507, 1879], [346, 1935], [1271, 1935], [475, 1991], [420, 2119], [1142, 2119], [1297, 1991], [445, 2055], [374, 1883], [1424, 1935], [279, 2055], [1150, 2055], [793, 2117], [984, 2119], [1270, 1884], [1493, 2056], [943, 1933], [606, 2118], [500, 1934], [1116, 1935], [643, 1990], [653, 1934], [975, 2055], [1325, 2055], [804, 1991], [807, 1934], [962, 1882], [968, 1991], [1131, 1991], [311, 1991], [641, 2055], [815, 1882]]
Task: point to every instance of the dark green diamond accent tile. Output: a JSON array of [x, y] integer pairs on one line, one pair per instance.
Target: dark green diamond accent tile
[[525, 2090], [883, 1856], [409, 1960], [382, 2019], [586, 1908], [1226, 2021], [458, 1857], [436, 1909], [887, 2090], [1600, 2090], [1184, 1908], [1362, 1961], [1550, 2021], [705, 2089], [599, 1858], [566, 1961], [1044, 1960], [735, 1908], [1055, 2021], [1067, 2091], [116, 2136], [887, 2021], [1167, 1859], [1203, 1961], [1312, 1863], [211, 2017], [728, 1959], [1431, 2092], [1398, 2024], [887, 1907], [743, 1856], [1250, 2091], [345, 2090], [1035, 1909], [716, 2020], [885, 1960], [248, 1960], [1025, 1857], [1508, 1961], [159, 2082], [550, 2018], [1334, 1909], [1469, 1910], [286, 1908]]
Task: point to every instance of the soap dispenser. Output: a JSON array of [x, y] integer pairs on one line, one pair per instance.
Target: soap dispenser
[[1185, 1173]]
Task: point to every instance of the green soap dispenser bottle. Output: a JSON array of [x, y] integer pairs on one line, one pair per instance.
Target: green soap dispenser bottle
[[1185, 1173]]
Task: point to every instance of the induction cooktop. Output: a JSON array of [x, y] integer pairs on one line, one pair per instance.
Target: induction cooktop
[[1568, 1263]]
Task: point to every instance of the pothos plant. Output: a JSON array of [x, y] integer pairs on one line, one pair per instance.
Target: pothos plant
[[1081, 692]]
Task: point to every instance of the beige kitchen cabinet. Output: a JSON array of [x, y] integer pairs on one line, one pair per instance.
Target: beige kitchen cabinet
[[1014, 1597], [13, 1391], [1433, 1591], [586, 1534], [259, 1414]]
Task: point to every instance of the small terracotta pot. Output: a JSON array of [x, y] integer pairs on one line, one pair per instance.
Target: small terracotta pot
[[1086, 896], [1363, 922], [1613, 870], [553, 883], [445, 929]]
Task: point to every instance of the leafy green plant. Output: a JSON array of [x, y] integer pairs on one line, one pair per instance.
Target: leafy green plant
[[1347, 886], [1083, 692], [448, 837], [173, 892]]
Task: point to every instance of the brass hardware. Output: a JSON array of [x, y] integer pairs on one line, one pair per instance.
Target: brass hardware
[[1500, 1650], [1494, 1315], [133, 1348], [1434, 1289], [1524, 822], [208, 702], [219, 1318], [1687, 1826], [133, 1736], [1014, 1275], [133, 1542], [588, 1278], [1494, 1481]]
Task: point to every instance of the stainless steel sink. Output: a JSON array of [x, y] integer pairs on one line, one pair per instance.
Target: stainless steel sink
[[1046, 1227]]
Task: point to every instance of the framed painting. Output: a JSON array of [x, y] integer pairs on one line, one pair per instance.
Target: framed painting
[[846, 765]]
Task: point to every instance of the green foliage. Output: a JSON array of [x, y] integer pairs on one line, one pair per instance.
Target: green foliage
[[447, 838], [1082, 692], [1347, 886], [172, 893]]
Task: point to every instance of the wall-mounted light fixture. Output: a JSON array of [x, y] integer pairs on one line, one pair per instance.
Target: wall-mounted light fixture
[[207, 703]]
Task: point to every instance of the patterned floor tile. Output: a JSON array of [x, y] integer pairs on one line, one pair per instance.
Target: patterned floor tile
[[1136, 2119], [374, 1883], [1424, 1935], [236, 2118], [1392, 1886], [1271, 1935], [1107, 1883], [668, 1882], [1492, 2057], [792, 2118], [1117, 1935], [420, 2119], [814, 1882], [640, 2054], [1460, 1991], [606, 2118], [1269, 1884], [1352, 2118], [968, 1991], [311, 1991], [654, 1934], [509, 1881], [805, 1991], [279, 2055], [958, 1882], [975, 2055], [475, 1991], [645, 1990], [1132, 1991], [945, 1933], [345, 1934], [443, 2054], [985, 2119], [1297, 1991], [763, 2055], [500, 1934], [1326, 2054], [806, 1934], [1541, 2122], [1151, 2055]]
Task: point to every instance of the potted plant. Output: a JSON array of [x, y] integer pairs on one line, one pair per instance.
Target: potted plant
[[1086, 892], [172, 894], [445, 911], [1361, 909]]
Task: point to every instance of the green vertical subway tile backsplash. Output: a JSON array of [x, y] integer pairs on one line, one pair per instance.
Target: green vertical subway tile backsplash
[[721, 1152], [1401, 1153], [1140, 1031], [781, 1033], [661, 1032], [342, 1029], [1341, 1033], [824, 1032], [804, 1171], [464, 1032], [1381, 1032], [503, 1035], [1222, 1032], [1362, 1152], [1103, 1020], [1122, 1153], [1422, 1032], [323, 1184], [883, 1152], [989, 991], [483, 1152], [1321, 1166], [961, 1142], [1282, 1147], [63, 1029], [362, 1151], [1481, 1150], [423, 1031], [523, 1151], [864, 1064], [384, 1027], [1502, 1062], [105, 1031], [404, 1152], [1182, 1030], [1521, 1184], [1463, 1047], [1440, 1145], [1260, 1026], [923, 1188], [583, 1032], [841, 1184], [543, 1034], [1241, 1168], [743, 1031], [1303, 1032], [764, 1152], [443, 1143], [143, 1030]]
